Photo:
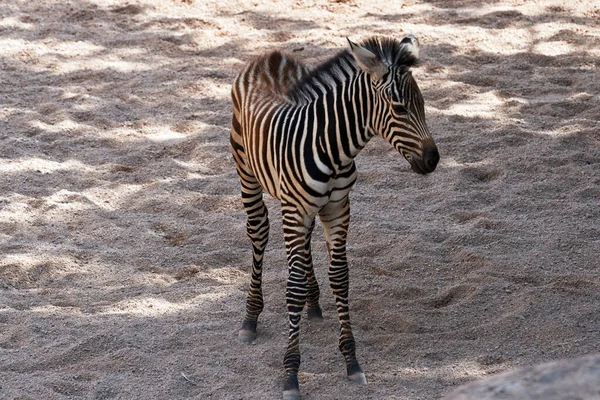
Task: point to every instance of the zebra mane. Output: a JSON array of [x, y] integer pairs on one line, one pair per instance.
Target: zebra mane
[[391, 51]]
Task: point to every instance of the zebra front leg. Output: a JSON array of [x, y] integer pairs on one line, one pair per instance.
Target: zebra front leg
[[335, 218], [312, 300], [257, 228], [296, 232]]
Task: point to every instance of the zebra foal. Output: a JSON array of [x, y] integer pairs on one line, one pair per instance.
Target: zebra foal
[[294, 135]]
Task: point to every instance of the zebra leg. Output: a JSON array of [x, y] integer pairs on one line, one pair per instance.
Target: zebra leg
[[335, 218], [312, 300], [257, 228], [296, 232]]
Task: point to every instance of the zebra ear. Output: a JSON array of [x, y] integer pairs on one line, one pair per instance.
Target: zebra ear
[[411, 44], [368, 61]]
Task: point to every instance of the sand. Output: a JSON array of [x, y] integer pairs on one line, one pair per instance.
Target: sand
[[124, 262]]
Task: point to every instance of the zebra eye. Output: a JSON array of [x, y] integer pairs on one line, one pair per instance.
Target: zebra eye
[[399, 109]]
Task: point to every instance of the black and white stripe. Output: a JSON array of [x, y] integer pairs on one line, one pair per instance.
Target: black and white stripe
[[295, 134]]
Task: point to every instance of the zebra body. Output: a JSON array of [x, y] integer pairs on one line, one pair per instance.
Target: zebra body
[[269, 122], [294, 135]]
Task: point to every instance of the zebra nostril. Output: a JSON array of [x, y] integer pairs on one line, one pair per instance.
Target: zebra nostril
[[431, 158]]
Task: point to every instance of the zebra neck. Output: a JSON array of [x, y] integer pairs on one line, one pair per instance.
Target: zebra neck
[[343, 113]]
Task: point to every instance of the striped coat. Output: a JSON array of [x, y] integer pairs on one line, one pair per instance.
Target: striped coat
[[295, 135]]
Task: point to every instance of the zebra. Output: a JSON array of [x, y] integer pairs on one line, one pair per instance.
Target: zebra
[[295, 134]]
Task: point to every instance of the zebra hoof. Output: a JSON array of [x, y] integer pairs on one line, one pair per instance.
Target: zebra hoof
[[358, 377], [291, 394], [315, 314], [246, 336]]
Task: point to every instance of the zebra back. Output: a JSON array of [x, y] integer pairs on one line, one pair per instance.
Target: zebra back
[[267, 76]]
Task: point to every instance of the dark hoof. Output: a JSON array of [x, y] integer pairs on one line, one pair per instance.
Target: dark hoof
[[291, 394], [315, 314], [246, 336], [291, 389], [358, 377], [247, 333]]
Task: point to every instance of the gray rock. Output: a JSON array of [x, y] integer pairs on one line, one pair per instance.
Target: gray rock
[[576, 379]]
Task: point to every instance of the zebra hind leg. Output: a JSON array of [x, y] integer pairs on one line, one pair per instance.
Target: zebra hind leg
[[257, 228], [313, 309]]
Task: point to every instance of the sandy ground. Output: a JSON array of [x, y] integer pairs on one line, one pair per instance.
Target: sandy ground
[[123, 255]]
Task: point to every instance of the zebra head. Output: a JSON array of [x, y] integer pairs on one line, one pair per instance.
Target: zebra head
[[398, 107]]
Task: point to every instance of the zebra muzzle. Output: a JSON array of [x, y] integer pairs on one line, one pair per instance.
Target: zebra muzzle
[[428, 161]]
